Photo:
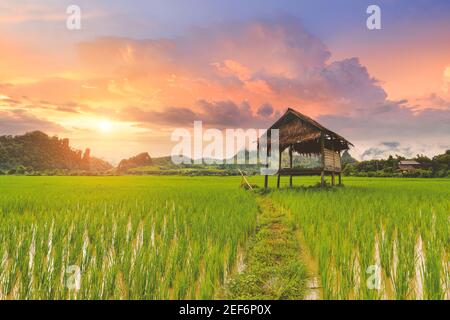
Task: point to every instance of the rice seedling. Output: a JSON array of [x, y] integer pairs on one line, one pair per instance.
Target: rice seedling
[[120, 237], [182, 237], [400, 226]]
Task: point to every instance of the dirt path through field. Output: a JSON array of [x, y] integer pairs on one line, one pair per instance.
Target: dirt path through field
[[274, 267]]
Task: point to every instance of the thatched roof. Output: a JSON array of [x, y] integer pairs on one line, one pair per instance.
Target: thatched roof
[[409, 163], [304, 133]]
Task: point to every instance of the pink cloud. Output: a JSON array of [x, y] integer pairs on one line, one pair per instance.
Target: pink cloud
[[20, 121], [230, 75]]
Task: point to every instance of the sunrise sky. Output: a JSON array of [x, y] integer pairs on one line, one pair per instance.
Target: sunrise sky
[[138, 69]]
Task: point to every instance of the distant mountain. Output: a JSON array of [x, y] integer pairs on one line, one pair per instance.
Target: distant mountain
[[167, 161], [347, 158], [36, 151], [141, 160], [162, 161], [249, 156], [297, 159]]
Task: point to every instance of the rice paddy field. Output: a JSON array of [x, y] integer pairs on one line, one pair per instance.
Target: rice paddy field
[[123, 237], [377, 238], [183, 237]]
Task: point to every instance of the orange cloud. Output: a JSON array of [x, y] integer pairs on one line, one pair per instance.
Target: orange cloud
[[229, 75]]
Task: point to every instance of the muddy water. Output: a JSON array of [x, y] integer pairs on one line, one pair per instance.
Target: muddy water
[[313, 284], [386, 289], [416, 284], [419, 269], [446, 277]]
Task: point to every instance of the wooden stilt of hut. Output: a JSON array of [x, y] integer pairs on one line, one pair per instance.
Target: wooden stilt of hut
[[306, 136]]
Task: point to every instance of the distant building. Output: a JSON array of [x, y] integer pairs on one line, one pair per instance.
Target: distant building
[[409, 165]]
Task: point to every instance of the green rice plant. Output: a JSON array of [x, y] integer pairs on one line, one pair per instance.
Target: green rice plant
[[371, 222], [126, 237]]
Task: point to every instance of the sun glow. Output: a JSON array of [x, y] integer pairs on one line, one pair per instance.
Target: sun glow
[[104, 126], [446, 86]]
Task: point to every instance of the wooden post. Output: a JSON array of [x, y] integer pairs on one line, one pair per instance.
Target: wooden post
[[279, 168], [266, 177], [322, 151], [257, 151], [290, 165], [334, 162], [340, 178]]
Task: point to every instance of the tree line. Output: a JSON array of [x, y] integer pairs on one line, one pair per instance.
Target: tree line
[[436, 167], [36, 152]]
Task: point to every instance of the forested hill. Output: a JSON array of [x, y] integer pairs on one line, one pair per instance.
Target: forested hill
[[36, 151]]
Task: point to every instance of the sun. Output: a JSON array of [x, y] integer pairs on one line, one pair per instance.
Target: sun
[[104, 126]]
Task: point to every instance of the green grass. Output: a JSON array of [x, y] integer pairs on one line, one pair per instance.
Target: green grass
[[380, 222], [273, 269], [131, 237]]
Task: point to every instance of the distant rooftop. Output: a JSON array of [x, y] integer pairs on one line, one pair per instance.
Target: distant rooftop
[[409, 163]]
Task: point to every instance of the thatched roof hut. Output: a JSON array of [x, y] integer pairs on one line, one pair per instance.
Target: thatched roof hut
[[306, 136]]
